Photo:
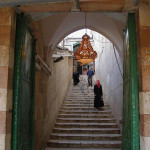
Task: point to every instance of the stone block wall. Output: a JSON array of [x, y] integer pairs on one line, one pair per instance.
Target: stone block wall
[[144, 95], [7, 43], [49, 89]]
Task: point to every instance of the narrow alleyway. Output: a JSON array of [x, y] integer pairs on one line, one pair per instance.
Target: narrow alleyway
[[80, 125]]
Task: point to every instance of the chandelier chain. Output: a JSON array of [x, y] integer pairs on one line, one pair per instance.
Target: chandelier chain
[[85, 19]]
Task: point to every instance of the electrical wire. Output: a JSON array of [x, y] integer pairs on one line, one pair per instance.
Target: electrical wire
[[117, 62], [85, 22]]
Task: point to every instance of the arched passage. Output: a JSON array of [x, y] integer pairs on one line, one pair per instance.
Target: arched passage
[[60, 25], [107, 66]]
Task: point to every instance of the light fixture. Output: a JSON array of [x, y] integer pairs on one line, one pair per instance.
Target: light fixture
[[85, 53]]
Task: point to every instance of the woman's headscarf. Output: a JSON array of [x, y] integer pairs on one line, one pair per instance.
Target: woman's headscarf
[[98, 83]]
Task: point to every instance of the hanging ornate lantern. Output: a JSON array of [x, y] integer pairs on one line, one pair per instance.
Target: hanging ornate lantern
[[85, 53]]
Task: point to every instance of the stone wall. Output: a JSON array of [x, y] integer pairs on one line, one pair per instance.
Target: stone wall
[[49, 90], [144, 22], [107, 71], [7, 39]]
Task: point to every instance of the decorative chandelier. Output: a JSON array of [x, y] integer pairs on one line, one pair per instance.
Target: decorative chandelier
[[85, 53]]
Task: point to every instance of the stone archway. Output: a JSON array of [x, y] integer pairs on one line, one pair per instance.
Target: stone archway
[[111, 25]]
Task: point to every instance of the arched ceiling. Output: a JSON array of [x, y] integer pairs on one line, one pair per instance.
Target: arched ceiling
[[111, 25]]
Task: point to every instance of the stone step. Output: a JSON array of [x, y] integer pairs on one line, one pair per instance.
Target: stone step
[[86, 120], [100, 137], [58, 148], [81, 102], [87, 130], [80, 105], [84, 116], [80, 126], [79, 97], [84, 144], [81, 108], [78, 102], [86, 125], [85, 111], [84, 93], [79, 93]]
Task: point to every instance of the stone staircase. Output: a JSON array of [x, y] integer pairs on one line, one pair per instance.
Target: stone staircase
[[80, 126]]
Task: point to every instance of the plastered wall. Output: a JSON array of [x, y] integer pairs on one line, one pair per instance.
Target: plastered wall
[[107, 71], [49, 90]]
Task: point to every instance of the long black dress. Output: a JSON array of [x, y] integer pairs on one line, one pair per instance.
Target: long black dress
[[98, 102], [76, 78]]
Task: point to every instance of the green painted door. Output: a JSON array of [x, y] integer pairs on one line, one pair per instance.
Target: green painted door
[[130, 137], [23, 100]]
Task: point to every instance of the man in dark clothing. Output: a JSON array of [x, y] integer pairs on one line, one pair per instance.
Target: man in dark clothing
[[90, 74], [76, 77]]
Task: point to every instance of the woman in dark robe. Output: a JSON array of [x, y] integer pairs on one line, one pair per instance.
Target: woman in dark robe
[[76, 77], [98, 101]]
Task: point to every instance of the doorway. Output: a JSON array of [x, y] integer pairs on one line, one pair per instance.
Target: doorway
[[24, 87]]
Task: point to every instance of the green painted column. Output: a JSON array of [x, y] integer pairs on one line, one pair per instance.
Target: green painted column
[[130, 132], [17, 81], [133, 83], [33, 92]]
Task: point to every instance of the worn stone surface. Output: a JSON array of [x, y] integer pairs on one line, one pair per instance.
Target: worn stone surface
[[145, 36], [4, 55], [3, 77], [144, 98], [146, 77], [144, 15], [145, 125], [3, 122], [5, 34], [2, 141], [8, 141], [144, 143], [145, 54], [3, 99], [5, 125]]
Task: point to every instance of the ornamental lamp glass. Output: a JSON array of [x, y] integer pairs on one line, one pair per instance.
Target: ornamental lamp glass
[[85, 53]]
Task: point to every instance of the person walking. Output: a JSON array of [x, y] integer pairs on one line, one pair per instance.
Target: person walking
[[90, 74], [98, 101], [76, 77]]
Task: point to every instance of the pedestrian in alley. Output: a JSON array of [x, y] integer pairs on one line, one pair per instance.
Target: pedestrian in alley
[[98, 93], [76, 77], [90, 74]]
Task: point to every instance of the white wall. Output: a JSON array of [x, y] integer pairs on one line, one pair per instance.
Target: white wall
[[107, 71]]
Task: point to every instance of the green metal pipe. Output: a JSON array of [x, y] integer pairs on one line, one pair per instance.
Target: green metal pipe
[[33, 92], [134, 83], [16, 83]]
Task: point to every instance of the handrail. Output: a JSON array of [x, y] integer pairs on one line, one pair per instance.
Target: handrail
[[43, 65]]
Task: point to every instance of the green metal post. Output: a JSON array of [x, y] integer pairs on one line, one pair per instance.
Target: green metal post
[[135, 144], [16, 86], [33, 91]]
